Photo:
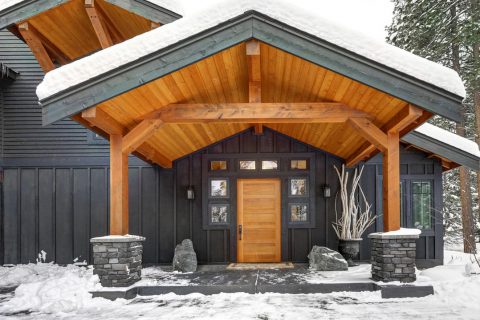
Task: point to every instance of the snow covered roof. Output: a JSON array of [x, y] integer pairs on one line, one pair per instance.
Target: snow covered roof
[[315, 24], [445, 144], [161, 11], [171, 5]]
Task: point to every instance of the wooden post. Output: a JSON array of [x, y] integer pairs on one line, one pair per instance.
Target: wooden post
[[118, 187], [391, 183]]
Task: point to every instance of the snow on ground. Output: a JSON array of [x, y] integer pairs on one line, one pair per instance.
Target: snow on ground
[[49, 291]]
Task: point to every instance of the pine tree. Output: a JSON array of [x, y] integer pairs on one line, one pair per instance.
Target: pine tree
[[445, 32]]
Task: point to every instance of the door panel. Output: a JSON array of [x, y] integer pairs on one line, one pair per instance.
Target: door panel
[[259, 215]]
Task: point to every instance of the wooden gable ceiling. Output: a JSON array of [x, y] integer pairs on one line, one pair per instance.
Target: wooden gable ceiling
[[68, 30], [223, 78]]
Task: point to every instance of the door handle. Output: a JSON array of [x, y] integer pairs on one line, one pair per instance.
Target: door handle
[[240, 230]]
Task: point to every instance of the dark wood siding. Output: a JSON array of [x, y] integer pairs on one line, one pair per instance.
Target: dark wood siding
[[55, 187], [23, 134]]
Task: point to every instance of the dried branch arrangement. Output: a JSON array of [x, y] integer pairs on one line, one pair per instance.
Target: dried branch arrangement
[[355, 218]]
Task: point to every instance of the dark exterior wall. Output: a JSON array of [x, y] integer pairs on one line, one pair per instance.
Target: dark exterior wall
[[23, 134], [55, 186]]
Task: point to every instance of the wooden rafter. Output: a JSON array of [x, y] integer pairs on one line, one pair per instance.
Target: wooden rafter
[[370, 132], [37, 47], [115, 34], [254, 77], [98, 24], [315, 112], [254, 71], [99, 118], [406, 118], [138, 135]]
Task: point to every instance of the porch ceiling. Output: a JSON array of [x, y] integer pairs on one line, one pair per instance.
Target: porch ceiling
[[223, 78], [67, 32]]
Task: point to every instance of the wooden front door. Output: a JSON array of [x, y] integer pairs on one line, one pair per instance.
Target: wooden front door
[[259, 220]]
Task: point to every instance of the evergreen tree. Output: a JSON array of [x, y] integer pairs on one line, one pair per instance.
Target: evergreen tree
[[447, 32]]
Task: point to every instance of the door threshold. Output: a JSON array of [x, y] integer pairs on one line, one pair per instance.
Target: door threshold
[[261, 266]]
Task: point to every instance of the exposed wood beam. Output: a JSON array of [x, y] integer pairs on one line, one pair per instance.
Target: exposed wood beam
[[138, 135], [146, 151], [53, 51], [391, 183], [404, 121], [361, 154], [258, 127], [370, 132], [254, 71], [37, 47], [118, 187], [114, 33], [154, 25], [99, 118], [149, 152], [315, 112], [98, 25]]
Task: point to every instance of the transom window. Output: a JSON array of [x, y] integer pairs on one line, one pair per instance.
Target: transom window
[[301, 164], [269, 165], [216, 165], [247, 165]]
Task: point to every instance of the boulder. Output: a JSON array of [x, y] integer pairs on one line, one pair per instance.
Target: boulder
[[325, 259], [185, 258]]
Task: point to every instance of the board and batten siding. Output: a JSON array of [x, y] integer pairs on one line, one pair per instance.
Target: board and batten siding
[[55, 186]]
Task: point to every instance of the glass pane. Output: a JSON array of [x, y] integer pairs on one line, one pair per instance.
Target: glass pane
[[298, 164], [218, 188], [219, 213], [402, 214], [298, 212], [298, 187], [422, 204], [247, 165], [269, 165], [218, 165]]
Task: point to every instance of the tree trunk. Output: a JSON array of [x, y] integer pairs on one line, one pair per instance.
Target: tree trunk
[[475, 7], [465, 192]]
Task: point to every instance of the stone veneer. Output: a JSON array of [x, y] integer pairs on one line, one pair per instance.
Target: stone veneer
[[393, 256], [117, 260]]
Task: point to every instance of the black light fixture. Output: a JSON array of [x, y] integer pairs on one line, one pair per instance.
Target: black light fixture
[[190, 193], [326, 191]]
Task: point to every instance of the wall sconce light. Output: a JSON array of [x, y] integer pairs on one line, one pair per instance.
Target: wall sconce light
[[190, 193], [326, 191]]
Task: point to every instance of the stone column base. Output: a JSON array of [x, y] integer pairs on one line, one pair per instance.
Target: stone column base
[[393, 256], [117, 260]]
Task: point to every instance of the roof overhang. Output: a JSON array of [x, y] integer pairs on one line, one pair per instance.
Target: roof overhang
[[251, 24], [26, 9], [442, 149]]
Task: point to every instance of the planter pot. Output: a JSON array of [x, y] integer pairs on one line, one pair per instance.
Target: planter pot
[[350, 250]]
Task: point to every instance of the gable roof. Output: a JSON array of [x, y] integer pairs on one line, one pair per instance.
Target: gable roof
[[445, 144], [161, 11], [314, 38]]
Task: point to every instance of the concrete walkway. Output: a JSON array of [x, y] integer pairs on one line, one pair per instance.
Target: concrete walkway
[[211, 279]]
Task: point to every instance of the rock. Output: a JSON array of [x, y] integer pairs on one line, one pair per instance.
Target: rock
[[185, 258], [325, 259]]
